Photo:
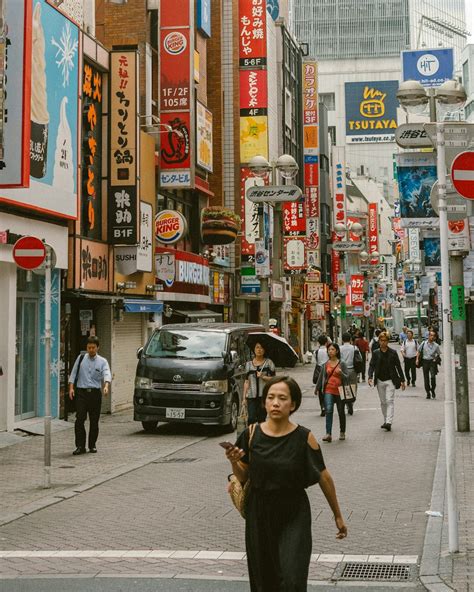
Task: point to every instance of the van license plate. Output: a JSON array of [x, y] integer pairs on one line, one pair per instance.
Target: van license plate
[[175, 413]]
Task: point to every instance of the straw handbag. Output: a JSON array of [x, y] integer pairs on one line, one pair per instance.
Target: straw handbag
[[238, 492]]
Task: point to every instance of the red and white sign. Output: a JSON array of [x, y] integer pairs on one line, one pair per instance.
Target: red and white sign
[[373, 233], [462, 174], [253, 90], [29, 252], [294, 219], [252, 33], [339, 184], [357, 290]]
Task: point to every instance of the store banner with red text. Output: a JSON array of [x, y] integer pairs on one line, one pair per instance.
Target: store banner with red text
[[373, 233], [357, 290], [339, 184]]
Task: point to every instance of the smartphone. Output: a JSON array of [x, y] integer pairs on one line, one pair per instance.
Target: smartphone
[[226, 445]]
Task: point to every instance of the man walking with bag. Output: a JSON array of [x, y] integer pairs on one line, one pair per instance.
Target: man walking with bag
[[385, 371], [428, 358], [90, 373], [352, 358]]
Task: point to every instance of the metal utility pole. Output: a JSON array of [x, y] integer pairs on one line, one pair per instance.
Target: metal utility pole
[[459, 338], [47, 363], [264, 279], [453, 536]]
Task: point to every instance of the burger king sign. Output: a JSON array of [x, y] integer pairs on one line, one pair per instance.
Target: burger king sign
[[170, 227]]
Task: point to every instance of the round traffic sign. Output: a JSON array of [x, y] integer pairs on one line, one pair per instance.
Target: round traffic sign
[[462, 174], [456, 204], [29, 252]]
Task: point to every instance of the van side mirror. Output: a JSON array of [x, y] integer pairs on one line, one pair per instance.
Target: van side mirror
[[234, 356], [139, 352]]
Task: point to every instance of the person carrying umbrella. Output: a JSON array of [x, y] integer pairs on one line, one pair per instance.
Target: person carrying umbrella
[[258, 372]]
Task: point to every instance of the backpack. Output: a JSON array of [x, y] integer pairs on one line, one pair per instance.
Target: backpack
[[374, 346], [358, 361]]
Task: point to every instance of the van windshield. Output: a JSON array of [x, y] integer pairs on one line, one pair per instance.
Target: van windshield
[[192, 345]]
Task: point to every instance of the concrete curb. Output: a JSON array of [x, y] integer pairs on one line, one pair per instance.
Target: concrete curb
[[68, 493], [429, 567]]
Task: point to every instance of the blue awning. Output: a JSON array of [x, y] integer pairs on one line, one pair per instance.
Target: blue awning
[[133, 305]]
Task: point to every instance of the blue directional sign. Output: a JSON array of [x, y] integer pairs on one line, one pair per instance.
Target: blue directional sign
[[430, 67]]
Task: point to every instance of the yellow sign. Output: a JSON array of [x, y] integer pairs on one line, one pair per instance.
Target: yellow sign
[[253, 137]]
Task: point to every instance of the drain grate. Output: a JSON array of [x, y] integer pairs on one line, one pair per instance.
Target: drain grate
[[174, 460], [392, 572]]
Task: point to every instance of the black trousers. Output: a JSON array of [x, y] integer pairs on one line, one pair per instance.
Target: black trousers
[[410, 370], [88, 401], [430, 370], [256, 412]]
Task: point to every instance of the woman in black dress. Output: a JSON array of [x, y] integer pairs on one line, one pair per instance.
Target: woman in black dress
[[284, 459]]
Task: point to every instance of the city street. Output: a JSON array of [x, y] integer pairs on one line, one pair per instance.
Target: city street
[[159, 508]]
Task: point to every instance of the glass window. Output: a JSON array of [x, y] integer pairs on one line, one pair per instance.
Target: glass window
[[191, 345]]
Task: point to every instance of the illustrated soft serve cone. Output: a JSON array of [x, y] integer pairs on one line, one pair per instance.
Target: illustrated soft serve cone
[[63, 174], [39, 102]]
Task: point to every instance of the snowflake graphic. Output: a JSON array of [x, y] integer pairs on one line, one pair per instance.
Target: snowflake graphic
[[55, 367], [66, 50], [43, 339], [54, 290]]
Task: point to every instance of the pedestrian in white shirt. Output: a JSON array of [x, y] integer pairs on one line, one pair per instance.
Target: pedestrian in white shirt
[[409, 351], [348, 352]]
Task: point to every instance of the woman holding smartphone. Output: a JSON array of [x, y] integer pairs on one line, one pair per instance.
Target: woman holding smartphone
[[258, 371], [283, 459]]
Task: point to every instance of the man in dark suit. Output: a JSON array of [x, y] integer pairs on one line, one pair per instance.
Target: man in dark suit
[[385, 371]]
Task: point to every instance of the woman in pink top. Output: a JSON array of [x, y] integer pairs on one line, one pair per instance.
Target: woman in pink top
[[334, 374]]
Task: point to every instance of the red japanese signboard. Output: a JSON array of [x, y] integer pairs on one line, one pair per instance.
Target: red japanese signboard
[[249, 213], [175, 83], [252, 33], [294, 219], [357, 290], [339, 184], [176, 63], [311, 174], [312, 201], [335, 269], [373, 232], [253, 92]]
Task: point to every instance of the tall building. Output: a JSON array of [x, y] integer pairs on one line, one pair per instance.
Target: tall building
[[341, 29]]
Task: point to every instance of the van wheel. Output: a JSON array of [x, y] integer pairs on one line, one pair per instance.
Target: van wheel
[[234, 414], [149, 426]]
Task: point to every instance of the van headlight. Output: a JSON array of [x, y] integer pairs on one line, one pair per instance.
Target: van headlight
[[143, 383], [214, 386]]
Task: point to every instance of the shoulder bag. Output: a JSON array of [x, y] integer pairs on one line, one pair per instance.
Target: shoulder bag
[[238, 492], [358, 361]]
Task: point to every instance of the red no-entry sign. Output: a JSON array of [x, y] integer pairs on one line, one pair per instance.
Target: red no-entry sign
[[29, 252], [462, 174]]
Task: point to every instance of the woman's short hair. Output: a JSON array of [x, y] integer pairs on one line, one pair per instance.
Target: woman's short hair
[[293, 387], [337, 348]]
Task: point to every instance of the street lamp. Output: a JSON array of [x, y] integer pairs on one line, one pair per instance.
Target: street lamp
[[288, 168], [450, 96]]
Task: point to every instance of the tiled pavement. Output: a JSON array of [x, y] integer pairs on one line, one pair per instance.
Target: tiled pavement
[[384, 483]]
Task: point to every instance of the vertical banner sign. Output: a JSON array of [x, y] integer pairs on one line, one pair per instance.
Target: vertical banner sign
[[311, 159], [253, 79], [414, 252], [15, 67], [339, 184], [249, 213], [176, 75], [357, 290], [373, 232], [91, 207], [123, 207]]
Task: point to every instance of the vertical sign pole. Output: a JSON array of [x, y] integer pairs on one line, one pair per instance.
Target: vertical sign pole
[[47, 360], [453, 538]]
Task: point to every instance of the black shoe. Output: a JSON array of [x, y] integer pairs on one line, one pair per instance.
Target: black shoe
[[413, 384], [428, 396], [388, 427], [93, 449], [433, 395], [79, 450], [323, 413], [408, 384], [383, 426]]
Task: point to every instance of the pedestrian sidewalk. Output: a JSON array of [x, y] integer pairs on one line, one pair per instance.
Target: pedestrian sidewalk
[[123, 446]]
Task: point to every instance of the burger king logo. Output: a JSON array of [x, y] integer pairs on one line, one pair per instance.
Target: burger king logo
[[175, 43], [170, 227]]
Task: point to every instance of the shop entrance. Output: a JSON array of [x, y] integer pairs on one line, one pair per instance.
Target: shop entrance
[[26, 357]]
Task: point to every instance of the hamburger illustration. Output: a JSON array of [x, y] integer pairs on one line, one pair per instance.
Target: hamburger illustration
[[219, 226]]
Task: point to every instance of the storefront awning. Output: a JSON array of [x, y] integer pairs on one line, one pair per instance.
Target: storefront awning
[[133, 305], [205, 315]]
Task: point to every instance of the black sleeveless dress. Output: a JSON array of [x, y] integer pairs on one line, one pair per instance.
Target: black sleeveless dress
[[278, 524]]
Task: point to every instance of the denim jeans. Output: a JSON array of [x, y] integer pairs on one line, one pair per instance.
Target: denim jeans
[[329, 402]]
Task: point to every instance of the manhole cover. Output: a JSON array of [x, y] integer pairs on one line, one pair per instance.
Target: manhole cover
[[392, 572], [174, 460]]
